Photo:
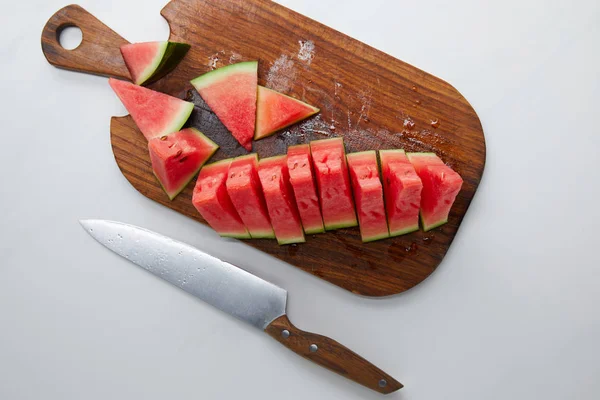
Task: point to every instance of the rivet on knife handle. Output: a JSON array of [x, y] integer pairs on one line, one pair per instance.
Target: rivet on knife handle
[[99, 52], [330, 354]]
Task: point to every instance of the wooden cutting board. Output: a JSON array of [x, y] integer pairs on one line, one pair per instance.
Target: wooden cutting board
[[370, 98]]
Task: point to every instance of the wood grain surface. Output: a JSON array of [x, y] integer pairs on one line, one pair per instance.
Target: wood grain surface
[[332, 355], [370, 98]]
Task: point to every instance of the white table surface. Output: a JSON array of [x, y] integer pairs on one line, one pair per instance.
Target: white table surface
[[511, 313]]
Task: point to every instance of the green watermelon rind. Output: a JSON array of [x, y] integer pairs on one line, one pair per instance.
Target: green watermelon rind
[[169, 56], [205, 139], [223, 73], [179, 120], [404, 231], [315, 110], [374, 238], [427, 228]]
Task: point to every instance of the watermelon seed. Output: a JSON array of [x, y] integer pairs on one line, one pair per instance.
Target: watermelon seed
[[183, 159], [274, 177], [178, 153], [163, 138], [304, 165], [295, 165], [414, 88], [435, 123]]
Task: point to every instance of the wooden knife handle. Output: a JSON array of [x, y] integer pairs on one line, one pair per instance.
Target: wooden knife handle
[[99, 52], [330, 354]]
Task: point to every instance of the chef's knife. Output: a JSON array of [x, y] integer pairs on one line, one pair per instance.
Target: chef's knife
[[236, 292]]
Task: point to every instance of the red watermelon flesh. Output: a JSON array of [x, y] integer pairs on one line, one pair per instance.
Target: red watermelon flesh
[[368, 195], [441, 185], [299, 161], [402, 189], [156, 114], [213, 203], [275, 111], [148, 62], [333, 183], [245, 192], [230, 92], [273, 173], [177, 158]]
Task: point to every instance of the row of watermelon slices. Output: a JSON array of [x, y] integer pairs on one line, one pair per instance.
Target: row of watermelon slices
[[316, 187]]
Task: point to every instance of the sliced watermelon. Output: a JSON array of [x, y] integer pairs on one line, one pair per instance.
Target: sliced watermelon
[[440, 188], [212, 201], [402, 189], [177, 158], [156, 114], [333, 182], [275, 111], [245, 192], [368, 194], [148, 62], [230, 92], [300, 167], [280, 200]]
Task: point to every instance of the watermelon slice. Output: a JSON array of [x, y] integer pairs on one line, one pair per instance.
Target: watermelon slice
[[212, 201], [333, 182], [148, 62], [402, 189], [440, 188], [177, 158], [273, 173], [245, 192], [275, 111], [230, 92], [368, 194], [300, 167], [156, 114]]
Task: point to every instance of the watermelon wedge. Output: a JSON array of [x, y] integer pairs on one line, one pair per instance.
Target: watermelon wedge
[[156, 114], [177, 158], [402, 189], [299, 161], [245, 192], [333, 183], [441, 185], [212, 201], [273, 173], [230, 92], [148, 62], [368, 194], [275, 111]]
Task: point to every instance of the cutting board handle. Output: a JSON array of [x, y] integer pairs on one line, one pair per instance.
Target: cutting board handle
[[98, 52]]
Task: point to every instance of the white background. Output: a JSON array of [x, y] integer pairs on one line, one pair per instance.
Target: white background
[[511, 313]]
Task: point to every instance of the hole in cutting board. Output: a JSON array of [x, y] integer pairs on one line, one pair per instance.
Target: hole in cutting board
[[70, 37]]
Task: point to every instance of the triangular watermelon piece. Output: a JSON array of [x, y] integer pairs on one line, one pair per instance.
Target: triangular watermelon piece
[[156, 114], [230, 92], [177, 158], [149, 61], [275, 111]]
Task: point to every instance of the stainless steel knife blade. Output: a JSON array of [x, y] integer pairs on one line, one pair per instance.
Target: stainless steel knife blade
[[222, 285]]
